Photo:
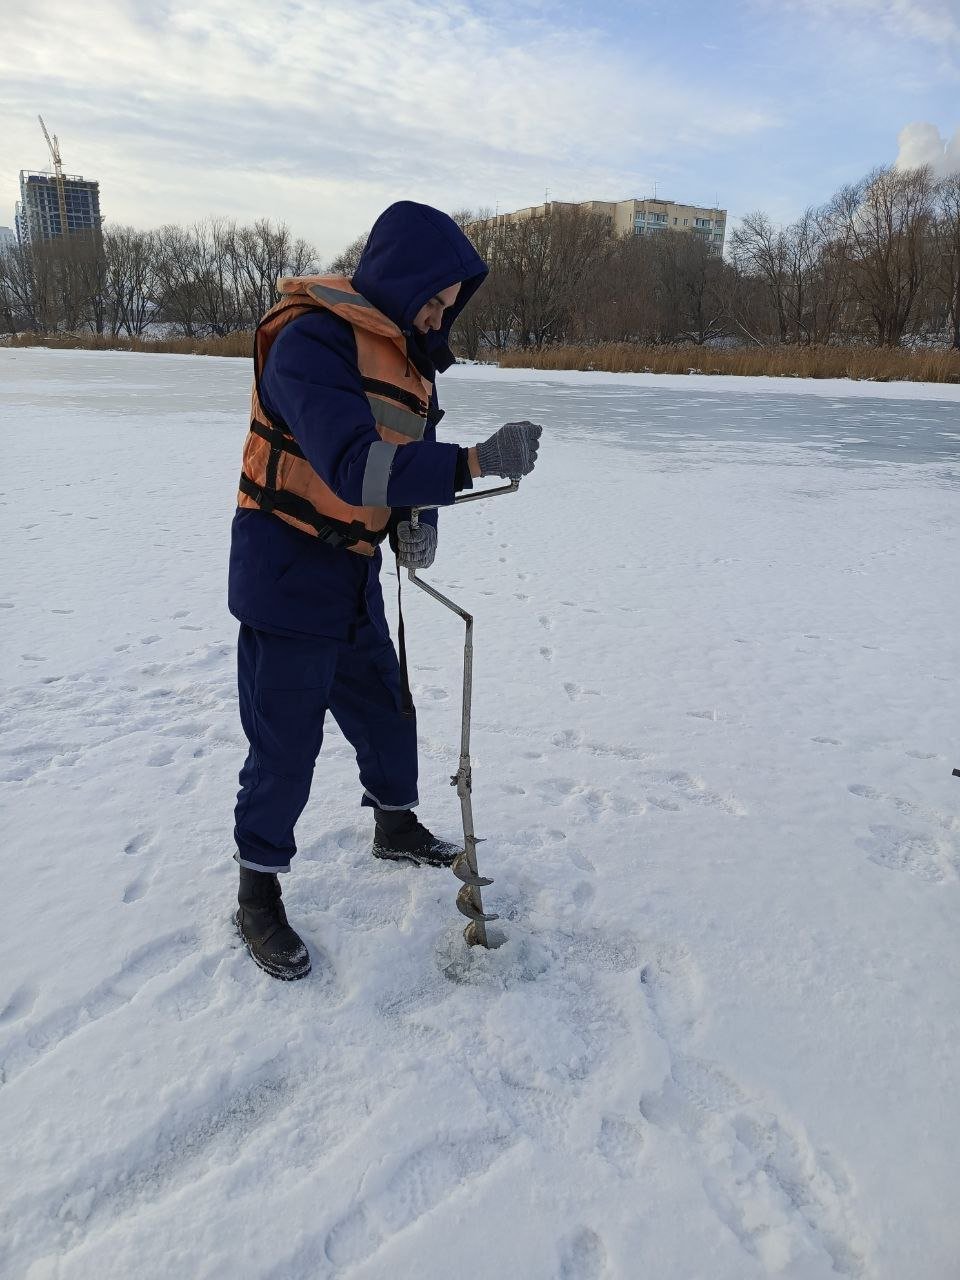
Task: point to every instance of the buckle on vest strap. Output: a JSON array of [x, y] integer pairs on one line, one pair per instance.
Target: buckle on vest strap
[[265, 499], [330, 536], [356, 532]]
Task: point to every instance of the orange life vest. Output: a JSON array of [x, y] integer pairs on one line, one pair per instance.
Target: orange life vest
[[276, 476]]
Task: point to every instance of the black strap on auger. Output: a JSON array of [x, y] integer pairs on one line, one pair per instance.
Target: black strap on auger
[[406, 697]]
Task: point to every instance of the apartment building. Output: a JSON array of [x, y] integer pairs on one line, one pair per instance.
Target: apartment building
[[40, 214], [648, 217]]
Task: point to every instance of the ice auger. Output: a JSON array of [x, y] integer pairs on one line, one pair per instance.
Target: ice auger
[[469, 902]]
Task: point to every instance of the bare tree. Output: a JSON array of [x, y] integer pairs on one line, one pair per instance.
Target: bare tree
[[544, 264], [692, 283], [485, 321], [758, 250], [886, 221], [130, 278], [214, 281], [24, 290], [177, 296], [261, 254], [348, 259], [947, 237]]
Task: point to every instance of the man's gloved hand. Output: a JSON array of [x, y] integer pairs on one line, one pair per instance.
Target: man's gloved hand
[[510, 452], [416, 547]]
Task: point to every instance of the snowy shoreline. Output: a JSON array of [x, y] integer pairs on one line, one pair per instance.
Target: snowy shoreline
[[470, 371]]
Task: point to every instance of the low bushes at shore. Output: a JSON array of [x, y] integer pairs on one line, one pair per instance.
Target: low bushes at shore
[[875, 364], [865, 363], [232, 344]]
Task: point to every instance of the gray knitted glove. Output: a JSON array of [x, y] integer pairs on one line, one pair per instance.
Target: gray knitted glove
[[416, 547], [510, 452]]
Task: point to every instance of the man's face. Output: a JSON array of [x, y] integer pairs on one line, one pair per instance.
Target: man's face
[[430, 315]]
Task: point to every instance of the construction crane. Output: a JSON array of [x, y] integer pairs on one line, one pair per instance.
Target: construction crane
[[54, 146]]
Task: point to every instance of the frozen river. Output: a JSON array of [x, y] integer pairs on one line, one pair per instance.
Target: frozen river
[[716, 712]]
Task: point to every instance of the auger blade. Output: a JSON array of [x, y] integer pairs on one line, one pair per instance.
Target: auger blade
[[471, 935], [467, 907], [461, 870]]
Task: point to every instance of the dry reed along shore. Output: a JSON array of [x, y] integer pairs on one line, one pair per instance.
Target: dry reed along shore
[[877, 364]]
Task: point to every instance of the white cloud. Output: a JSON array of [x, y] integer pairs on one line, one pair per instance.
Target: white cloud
[[934, 21], [922, 144], [323, 113]]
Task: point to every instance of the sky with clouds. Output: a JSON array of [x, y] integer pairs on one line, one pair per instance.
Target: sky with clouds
[[321, 112]]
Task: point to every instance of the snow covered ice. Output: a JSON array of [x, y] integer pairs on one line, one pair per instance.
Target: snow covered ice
[[715, 714]]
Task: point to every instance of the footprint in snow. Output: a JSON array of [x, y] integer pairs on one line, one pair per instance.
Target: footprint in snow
[[621, 1144], [576, 692], [582, 894], [137, 844], [189, 784], [584, 1257], [138, 886], [674, 988], [911, 851], [771, 1189], [947, 821], [157, 957], [418, 1184], [20, 1003]]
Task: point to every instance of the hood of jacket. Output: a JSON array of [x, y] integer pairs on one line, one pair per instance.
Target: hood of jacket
[[412, 253]]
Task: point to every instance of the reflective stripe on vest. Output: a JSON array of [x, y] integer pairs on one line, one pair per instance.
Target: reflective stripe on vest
[[391, 416], [339, 297]]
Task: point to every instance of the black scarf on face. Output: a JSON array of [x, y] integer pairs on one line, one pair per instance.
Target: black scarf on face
[[429, 353]]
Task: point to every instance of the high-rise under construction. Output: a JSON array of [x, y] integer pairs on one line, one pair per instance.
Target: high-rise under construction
[[52, 206]]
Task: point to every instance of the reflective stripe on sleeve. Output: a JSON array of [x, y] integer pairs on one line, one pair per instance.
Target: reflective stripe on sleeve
[[376, 474], [396, 418]]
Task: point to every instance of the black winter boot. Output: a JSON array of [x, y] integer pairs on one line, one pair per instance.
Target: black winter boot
[[400, 837], [262, 923]]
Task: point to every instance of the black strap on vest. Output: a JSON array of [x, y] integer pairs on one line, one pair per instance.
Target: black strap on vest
[[335, 533], [393, 392], [276, 438]]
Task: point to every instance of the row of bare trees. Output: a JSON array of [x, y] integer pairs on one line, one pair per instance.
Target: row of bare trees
[[210, 279], [880, 260], [879, 263]]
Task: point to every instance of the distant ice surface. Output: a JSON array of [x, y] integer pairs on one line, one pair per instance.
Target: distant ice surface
[[716, 711]]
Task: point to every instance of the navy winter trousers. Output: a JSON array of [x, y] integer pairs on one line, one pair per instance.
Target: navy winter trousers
[[286, 685]]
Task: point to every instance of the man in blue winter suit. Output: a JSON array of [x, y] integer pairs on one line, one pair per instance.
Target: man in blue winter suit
[[343, 443]]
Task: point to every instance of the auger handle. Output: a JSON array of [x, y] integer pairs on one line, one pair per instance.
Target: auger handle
[[512, 487]]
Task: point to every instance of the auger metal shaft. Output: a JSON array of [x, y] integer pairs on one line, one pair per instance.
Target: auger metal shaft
[[469, 901]]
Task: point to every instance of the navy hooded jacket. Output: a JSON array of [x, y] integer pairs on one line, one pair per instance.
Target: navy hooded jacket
[[286, 581]]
